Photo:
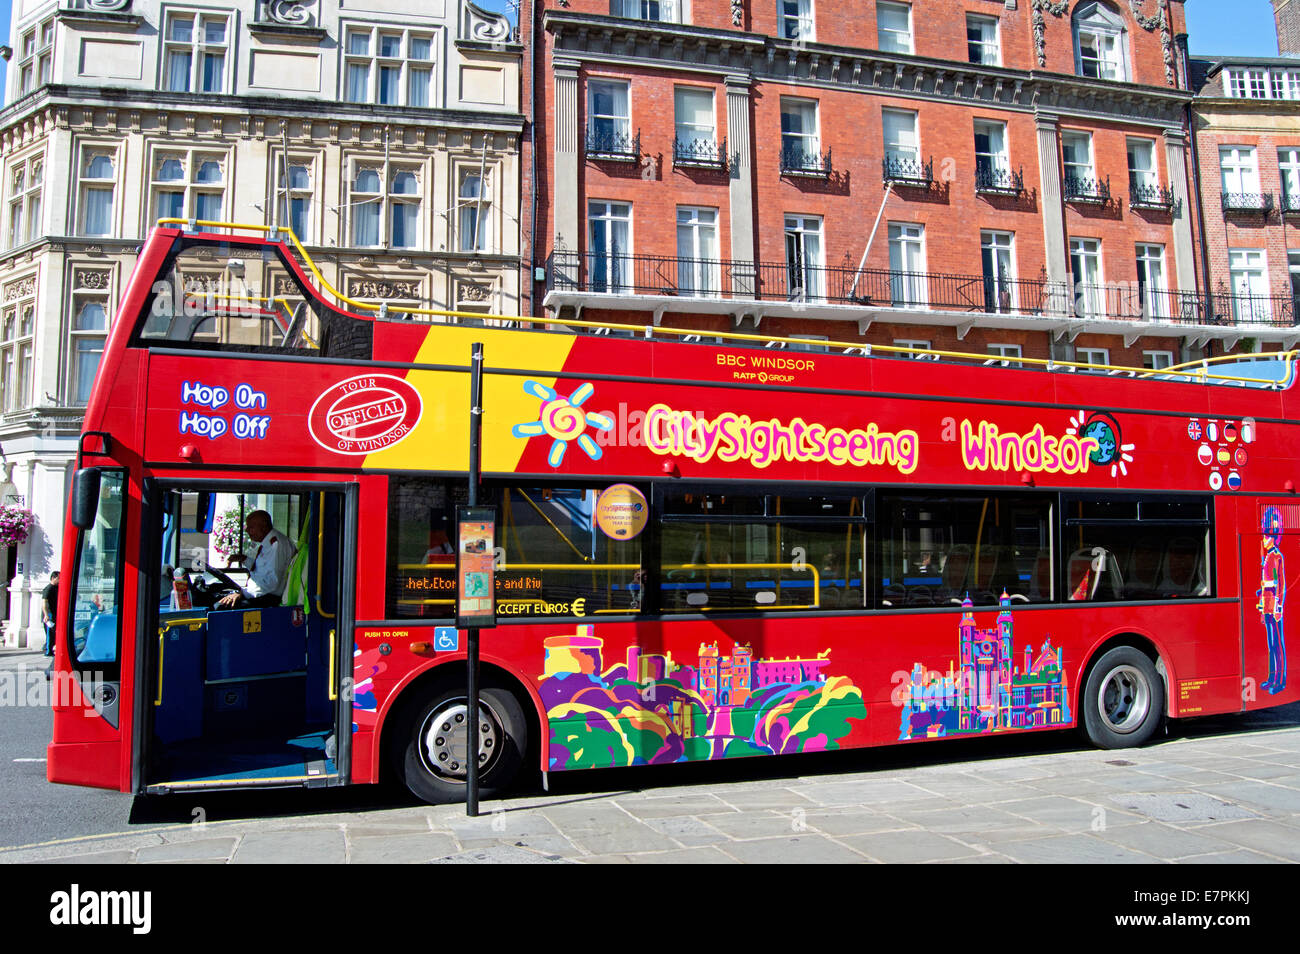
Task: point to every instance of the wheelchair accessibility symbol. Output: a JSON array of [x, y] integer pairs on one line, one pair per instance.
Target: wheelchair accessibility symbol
[[446, 639]]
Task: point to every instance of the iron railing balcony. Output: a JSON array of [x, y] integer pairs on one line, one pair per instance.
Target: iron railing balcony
[[1150, 197], [700, 153], [1079, 189], [797, 161], [613, 145], [1290, 202], [907, 170], [1259, 203], [999, 181]]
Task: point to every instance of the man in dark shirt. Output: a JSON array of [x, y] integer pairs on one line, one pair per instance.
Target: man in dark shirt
[[49, 608]]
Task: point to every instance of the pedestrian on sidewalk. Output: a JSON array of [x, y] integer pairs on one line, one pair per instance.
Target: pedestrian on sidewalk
[[49, 609]]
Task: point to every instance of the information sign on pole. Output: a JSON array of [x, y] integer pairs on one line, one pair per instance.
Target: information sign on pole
[[475, 552]]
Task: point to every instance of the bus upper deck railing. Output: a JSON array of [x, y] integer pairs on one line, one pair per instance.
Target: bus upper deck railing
[[1198, 371]]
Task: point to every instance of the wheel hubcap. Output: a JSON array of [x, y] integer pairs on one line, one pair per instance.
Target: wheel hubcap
[[1124, 699], [444, 739]]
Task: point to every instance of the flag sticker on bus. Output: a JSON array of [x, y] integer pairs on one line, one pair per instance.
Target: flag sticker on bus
[[364, 414]]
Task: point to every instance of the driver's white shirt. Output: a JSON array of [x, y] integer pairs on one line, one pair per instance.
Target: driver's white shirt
[[268, 570]]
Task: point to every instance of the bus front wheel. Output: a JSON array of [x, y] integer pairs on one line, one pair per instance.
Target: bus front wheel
[[434, 763], [1124, 699]]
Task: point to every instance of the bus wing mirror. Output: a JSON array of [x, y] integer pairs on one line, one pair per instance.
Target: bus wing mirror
[[85, 497]]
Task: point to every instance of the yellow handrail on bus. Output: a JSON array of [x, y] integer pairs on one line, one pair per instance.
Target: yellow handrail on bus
[[334, 693], [320, 555], [1048, 364]]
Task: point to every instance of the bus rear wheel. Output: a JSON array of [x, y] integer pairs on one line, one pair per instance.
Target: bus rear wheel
[[1124, 699], [433, 762]]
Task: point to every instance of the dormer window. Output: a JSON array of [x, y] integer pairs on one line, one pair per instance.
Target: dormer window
[[1100, 43]]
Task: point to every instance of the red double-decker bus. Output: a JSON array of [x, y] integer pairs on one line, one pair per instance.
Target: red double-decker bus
[[706, 548]]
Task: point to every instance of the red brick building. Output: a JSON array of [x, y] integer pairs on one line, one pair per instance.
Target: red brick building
[[994, 176]]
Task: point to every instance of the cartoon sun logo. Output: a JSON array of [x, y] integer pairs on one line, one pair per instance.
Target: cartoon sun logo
[[1104, 429], [564, 420]]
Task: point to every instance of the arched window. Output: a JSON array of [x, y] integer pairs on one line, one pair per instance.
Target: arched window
[[1100, 42]]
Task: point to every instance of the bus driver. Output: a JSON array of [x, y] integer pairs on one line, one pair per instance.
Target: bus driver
[[269, 570]]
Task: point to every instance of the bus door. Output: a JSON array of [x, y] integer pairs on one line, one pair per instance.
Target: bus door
[[244, 650], [1270, 594]]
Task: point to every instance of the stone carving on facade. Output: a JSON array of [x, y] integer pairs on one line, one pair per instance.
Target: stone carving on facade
[[473, 291], [1158, 22], [384, 289], [286, 286], [737, 12], [20, 289], [1040, 25], [106, 6], [92, 278], [290, 12], [483, 26]]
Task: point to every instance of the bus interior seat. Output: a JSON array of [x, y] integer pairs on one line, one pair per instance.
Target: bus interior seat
[[1181, 572], [1094, 574], [1144, 567], [101, 640], [1040, 586], [956, 571]]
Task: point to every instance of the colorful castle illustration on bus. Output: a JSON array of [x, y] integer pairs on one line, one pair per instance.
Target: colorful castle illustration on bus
[[650, 709], [989, 691]]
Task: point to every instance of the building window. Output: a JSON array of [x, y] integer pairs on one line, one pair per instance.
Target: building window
[[195, 52], [999, 269], [907, 278], [1261, 84], [804, 263], [992, 161], [696, 137], [982, 40], [656, 11], [915, 345], [1099, 41], [36, 57], [1248, 277], [188, 185], [294, 195], [1288, 165], [25, 184], [1085, 267], [902, 145], [698, 268], [1151, 281], [1097, 356], [95, 190], [1009, 353], [609, 246], [1142, 165], [800, 138], [388, 67], [894, 27], [473, 203], [385, 202], [17, 325], [1080, 182], [1238, 171], [609, 119], [795, 20], [1157, 360], [89, 328]]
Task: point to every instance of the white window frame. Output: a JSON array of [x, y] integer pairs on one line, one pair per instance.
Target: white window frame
[[82, 342], [1239, 168], [377, 59], [287, 195], [1148, 176], [698, 275], [686, 131], [1157, 360], [388, 199], [617, 261], [1154, 302], [17, 347], [795, 21], [1103, 27], [1007, 355], [1091, 356], [24, 208], [651, 11], [1072, 169], [908, 284], [907, 122], [1288, 167], [1006, 290], [892, 39], [916, 344], [192, 162], [473, 209], [618, 126], [805, 236], [1248, 285], [198, 49], [989, 50], [808, 143], [998, 162], [1088, 250], [87, 154], [35, 58]]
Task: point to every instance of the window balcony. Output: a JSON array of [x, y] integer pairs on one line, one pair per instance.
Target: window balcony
[[613, 146], [907, 171], [1290, 203], [992, 181], [1090, 191], [1151, 197], [1250, 203], [700, 154], [812, 163]]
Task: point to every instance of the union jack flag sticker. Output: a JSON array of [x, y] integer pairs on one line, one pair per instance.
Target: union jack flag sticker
[[1194, 430]]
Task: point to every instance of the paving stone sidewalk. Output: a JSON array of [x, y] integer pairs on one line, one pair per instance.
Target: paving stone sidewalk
[[1231, 797]]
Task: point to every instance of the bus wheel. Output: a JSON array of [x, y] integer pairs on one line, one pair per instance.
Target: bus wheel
[[433, 763], [1124, 699]]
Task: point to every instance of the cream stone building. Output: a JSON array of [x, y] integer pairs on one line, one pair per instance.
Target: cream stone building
[[385, 133]]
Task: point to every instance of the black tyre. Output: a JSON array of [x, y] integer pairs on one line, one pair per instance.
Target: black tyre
[[431, 759], [1124, 699]]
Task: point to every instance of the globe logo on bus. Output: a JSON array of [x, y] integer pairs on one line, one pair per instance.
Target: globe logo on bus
[[563, 420], [1103, 429], [364, 414]]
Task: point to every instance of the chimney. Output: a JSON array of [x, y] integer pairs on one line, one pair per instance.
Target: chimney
[[1286, 15]]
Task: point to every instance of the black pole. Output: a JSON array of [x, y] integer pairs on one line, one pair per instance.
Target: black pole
[[471, 634]]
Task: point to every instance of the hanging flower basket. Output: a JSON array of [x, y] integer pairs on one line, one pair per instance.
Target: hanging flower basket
[[15, 525], [228, 536]]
